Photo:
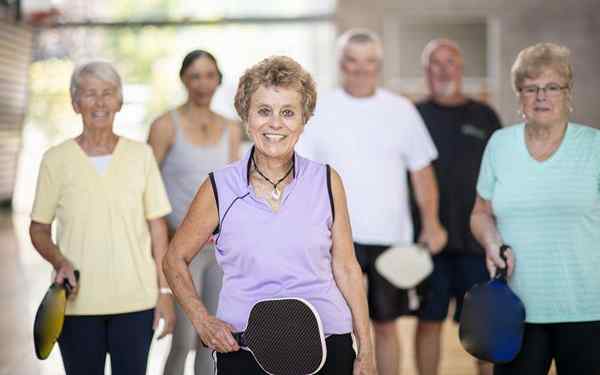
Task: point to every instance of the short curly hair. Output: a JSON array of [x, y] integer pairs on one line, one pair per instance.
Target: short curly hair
[[532, 61], [276, 71]]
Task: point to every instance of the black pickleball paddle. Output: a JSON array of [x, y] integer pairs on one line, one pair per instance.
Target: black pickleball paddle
[[285, 336]]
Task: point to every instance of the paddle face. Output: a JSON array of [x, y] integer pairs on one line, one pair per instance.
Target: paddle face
[[405, 266], [49, 319], [285, 337], [492, 321]]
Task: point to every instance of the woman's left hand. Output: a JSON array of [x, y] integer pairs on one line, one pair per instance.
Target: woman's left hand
[[164, 309], [364, 364]]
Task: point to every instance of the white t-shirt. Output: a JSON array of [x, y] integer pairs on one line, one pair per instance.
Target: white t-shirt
[[101, 163], [371, 142]]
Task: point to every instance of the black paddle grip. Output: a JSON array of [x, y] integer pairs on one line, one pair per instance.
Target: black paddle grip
[[502, 273], [239, 338], [67, 284]]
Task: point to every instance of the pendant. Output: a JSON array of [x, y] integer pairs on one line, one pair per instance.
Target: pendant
[[275, 194]]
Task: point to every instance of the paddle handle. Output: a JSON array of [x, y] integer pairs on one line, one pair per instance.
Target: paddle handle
[[239, 338], [502, 273], [424, 246]]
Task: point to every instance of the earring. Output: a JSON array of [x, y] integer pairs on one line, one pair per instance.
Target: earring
[[520, 113]]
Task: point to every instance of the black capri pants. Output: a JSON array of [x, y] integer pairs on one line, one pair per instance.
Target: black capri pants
[[340, 359], [573, 346]]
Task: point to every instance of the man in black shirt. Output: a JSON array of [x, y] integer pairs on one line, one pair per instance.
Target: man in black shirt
[[460, 128]]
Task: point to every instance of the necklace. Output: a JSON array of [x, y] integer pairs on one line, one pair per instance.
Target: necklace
[[275, 193], [204, 128], [205, 124]]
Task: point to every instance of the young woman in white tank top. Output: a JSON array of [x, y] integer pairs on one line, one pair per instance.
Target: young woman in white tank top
[[189, 142]]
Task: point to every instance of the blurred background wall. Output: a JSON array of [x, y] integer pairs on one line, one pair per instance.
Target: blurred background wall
[[42, 40], [491, 32]]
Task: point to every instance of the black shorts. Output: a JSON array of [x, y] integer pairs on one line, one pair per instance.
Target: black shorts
[[573, 346], [453, 275], [386, 302], [340, 359]]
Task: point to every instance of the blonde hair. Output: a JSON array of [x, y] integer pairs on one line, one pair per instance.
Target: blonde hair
[[533, 60], [276, 71]]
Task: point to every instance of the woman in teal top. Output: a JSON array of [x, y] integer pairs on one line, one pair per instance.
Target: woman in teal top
[[539, 192]]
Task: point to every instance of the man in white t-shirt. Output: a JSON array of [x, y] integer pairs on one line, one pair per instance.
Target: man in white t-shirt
[[372, 137]]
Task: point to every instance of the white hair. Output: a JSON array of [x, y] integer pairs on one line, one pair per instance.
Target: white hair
[[434, 45], [102, 70], [362, 36]]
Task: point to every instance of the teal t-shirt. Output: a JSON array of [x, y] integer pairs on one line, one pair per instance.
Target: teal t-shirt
[[549, 213]]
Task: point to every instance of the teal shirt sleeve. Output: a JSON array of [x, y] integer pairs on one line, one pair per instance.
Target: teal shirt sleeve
[[487, 175], [597, 150]]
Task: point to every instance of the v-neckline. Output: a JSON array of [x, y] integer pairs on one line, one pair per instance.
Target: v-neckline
[[285, 192], [554, 156], [90, 163]]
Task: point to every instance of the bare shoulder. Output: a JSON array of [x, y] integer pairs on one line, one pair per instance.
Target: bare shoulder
[[163, 123], [228, 122], [162, 129], [234, 127], [337, 186]]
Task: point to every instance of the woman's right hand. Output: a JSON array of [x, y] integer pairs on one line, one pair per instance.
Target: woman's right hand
[[66, 271], [494, 261], [216, 334], [364, 364]]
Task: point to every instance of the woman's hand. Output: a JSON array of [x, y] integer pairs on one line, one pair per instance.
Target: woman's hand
[[494, 261], [66, 271], [216, 334], [364, 364], [483, 227], [164, 309]]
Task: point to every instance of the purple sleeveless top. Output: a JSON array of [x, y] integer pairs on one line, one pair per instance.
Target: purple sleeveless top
[[266, 254]]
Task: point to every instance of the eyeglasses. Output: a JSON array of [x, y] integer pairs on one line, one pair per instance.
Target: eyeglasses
[[551, 90]]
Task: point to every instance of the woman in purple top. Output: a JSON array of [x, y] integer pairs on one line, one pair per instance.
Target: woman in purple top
[[281, 229]]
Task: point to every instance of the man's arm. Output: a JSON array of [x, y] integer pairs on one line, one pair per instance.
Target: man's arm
[[426, 194]]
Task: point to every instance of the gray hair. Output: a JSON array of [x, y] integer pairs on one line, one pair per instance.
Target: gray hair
[[532, 61], [101, 70], [359, 36], [433, 45]]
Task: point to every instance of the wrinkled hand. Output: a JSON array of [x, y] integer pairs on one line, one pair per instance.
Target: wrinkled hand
[[66, 271], [494, 261], [164, 309], [364, 364], [434, 236], [216, 334]]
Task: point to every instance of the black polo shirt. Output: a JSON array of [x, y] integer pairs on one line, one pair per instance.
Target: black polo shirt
[[460, 134]]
